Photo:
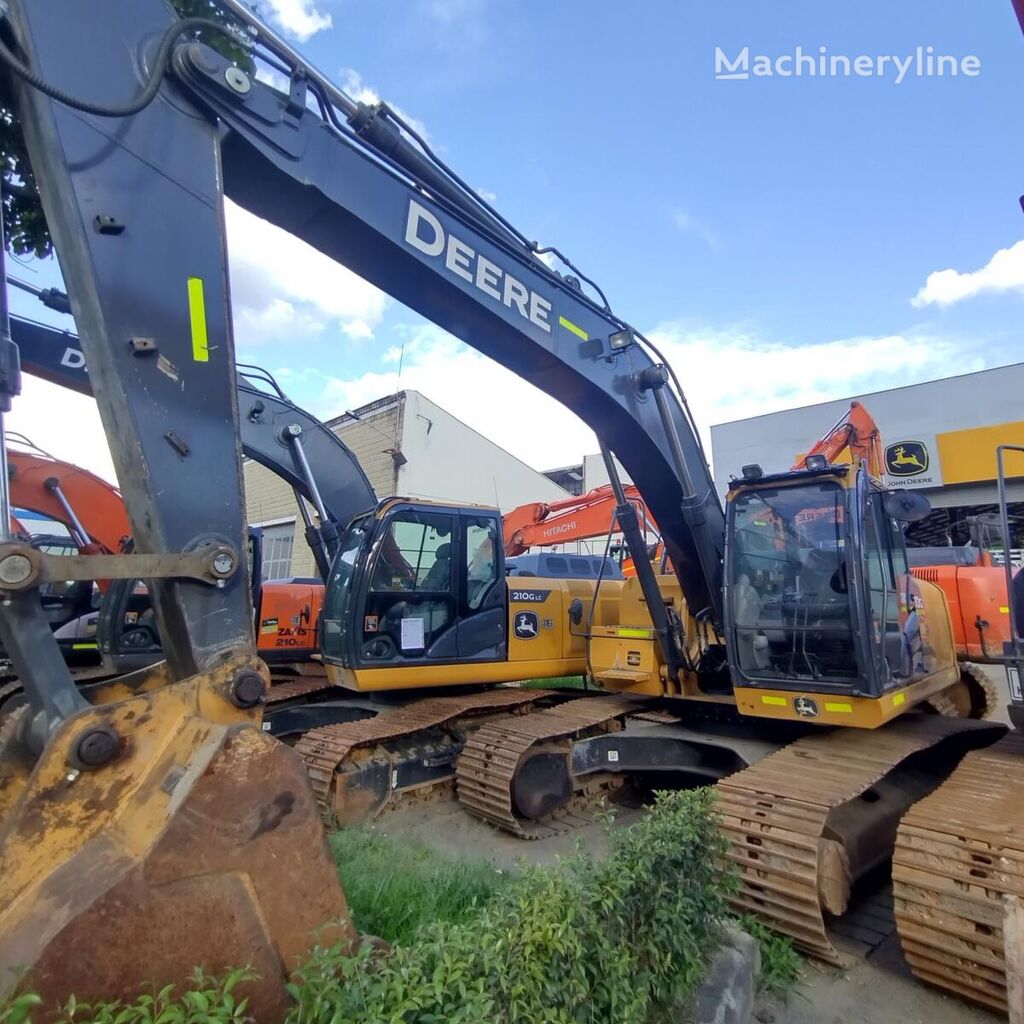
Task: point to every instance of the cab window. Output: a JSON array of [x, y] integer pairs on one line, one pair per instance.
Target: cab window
[[415, 555], [481, 563]]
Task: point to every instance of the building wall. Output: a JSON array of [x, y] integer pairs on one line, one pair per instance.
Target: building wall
[[596, 475], [954, 425], [452, 462], [269, 501]]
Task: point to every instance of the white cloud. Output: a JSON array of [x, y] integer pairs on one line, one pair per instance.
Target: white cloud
[[487, 195], [687, 224], [75, 435], [352, 83], [276, 321], [273, 78], [475, 389], [732, 375], [1003, 273], [282, 287], [726, 375], [299, 18]]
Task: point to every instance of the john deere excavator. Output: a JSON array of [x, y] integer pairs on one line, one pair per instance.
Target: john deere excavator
[[123, 821]]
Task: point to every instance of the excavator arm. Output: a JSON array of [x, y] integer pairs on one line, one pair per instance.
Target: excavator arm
[[577, 518], [857, 431], [345, 178]]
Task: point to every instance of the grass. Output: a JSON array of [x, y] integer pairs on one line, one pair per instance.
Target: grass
[[395, 887], [559, 683], [780, 962]]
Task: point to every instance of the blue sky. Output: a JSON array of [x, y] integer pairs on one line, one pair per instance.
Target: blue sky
[[776, 234]]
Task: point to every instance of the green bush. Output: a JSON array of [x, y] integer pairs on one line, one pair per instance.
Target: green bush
[[589, 941], [207, 1001], [780, 962], [394, 887]]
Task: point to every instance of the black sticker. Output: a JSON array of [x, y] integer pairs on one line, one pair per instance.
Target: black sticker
[[906, 458], [805, 707], [526, 625], [529, 596]]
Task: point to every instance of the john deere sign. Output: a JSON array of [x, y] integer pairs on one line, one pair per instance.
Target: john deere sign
[[906, 458]]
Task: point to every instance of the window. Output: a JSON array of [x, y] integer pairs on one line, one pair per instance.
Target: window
[[277, 551], [580, 567], [481, 566], [885, 571], [557, 565], [790, 600], [415, 555]]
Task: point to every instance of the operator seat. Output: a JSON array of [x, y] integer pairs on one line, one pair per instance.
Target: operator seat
[[440, 574]]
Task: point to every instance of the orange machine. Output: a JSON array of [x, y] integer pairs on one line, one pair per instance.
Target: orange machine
[[94, 514], [580, 517], [855, 433], [975, 589], [87, 505]]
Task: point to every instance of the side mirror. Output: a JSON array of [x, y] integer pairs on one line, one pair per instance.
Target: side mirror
[[906, 506]]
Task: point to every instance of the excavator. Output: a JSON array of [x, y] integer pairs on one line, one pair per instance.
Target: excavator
[[782, 657], [974, 587]]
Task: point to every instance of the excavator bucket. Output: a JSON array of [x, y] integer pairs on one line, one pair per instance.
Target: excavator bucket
[[119, 879]]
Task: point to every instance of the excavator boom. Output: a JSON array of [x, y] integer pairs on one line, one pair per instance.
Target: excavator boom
[[857, 431], [90, 507], [581, 517]]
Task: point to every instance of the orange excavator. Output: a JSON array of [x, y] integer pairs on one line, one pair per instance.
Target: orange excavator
[[93, 512], [65, 493], [580, 517], [974, 587]]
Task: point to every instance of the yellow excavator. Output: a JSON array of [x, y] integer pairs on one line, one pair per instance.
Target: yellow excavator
[[773, 660]]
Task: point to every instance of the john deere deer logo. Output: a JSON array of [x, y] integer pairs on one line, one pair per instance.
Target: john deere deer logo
[[906, 458]]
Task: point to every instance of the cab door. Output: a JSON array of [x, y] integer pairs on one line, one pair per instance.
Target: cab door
[[483, 594], [409, 610], [433, 589]]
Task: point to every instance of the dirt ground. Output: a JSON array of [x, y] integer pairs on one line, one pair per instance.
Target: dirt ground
[[879, 990]]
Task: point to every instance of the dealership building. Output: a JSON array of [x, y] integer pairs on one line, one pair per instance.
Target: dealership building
[[940, 438]]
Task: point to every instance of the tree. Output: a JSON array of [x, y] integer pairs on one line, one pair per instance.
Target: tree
[[26, 231]]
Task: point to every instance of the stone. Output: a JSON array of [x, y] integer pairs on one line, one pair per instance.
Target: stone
[[728, 992]]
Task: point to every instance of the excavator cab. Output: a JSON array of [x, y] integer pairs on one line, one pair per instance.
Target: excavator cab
[[823, 618], [418, 596], [417, 585]]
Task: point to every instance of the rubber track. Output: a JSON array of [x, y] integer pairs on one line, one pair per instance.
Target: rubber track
[[488, 763], [959, 852], [325, 749], [774, 815]]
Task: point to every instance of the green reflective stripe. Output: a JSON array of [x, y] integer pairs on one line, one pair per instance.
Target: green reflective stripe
[[570, 326], [636, 634], [84, 647], [197, 318]]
